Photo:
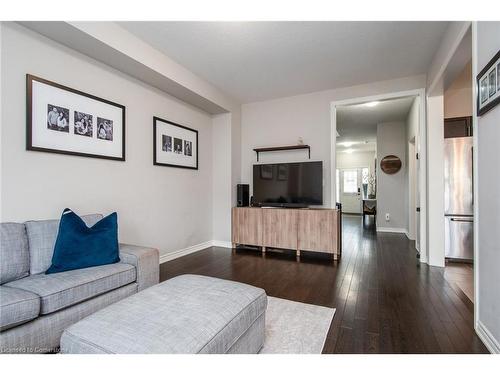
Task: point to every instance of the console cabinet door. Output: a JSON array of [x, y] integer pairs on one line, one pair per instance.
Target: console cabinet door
[[318, 230], [247, 226], [280, 228]]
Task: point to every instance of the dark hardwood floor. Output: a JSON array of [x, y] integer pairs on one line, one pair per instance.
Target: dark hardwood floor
[[386, 301]]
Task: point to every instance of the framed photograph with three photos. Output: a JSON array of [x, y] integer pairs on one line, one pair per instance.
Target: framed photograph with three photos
[[174, 145], [63, 120], [488, 86]]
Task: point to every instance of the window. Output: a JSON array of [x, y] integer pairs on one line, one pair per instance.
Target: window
[[351, 181]]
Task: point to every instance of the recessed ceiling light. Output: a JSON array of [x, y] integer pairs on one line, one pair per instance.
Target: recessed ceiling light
[[349, 151], [371, 104]]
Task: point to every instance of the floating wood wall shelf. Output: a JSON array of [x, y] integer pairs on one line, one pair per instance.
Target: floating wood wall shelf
[[282, 148]]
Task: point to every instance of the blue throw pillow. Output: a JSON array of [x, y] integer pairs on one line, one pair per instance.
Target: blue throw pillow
[[78, 246]]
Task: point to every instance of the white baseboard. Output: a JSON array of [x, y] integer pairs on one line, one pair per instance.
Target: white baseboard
[[217, 243], [391, 230], [188, 250], [193, 249], [408, 235], [487, 338]]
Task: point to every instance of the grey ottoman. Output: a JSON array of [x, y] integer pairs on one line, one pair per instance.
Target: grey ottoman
[[186, 314]]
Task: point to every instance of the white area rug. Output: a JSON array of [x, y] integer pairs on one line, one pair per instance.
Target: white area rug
[[295, 328]]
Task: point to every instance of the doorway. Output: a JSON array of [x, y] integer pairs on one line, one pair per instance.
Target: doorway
[[364, 140]]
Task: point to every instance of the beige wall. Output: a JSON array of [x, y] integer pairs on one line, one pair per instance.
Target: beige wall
[[458, 97], [168, 208]]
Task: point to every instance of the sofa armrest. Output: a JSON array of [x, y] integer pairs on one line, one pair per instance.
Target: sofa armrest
[[146, 261]]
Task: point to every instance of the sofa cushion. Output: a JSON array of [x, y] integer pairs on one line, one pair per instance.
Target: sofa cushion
[[185, 314], [60, 290], [17, 306], [42, 238], [14, 253], [79, 246]]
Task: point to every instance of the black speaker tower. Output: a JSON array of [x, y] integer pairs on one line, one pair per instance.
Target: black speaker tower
[[242, 193]]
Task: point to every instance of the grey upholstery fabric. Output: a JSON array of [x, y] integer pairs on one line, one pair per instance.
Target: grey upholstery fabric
[[43, 334], [60, 290], [17, 306], [252, 340], [14, 253], [186, 314], [42, 238], [146, 261]]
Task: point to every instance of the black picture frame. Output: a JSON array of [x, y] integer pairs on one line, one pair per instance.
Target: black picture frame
[[155, 149], [485, 74], [29, 119]]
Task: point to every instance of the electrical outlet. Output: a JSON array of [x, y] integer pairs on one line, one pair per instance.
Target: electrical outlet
[[387, 217]]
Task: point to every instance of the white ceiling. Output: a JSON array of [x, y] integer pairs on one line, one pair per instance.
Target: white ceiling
[[357, 124], [255, 61]]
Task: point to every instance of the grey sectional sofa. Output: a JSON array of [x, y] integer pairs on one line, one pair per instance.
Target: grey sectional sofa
[[36, 308]]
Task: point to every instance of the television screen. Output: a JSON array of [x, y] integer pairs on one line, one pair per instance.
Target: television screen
[[288, 184]]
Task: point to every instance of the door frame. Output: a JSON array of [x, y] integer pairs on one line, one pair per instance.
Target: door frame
[[421, 149], [412, 193]]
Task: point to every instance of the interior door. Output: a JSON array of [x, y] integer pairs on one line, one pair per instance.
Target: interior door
[[350, 190]]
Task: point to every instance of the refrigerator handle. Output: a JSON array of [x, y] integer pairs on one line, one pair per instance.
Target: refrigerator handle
[[462, 220]]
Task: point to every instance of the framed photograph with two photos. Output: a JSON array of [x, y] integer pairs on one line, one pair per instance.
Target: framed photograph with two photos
[[174, 145], [488, 86], [63, 120]]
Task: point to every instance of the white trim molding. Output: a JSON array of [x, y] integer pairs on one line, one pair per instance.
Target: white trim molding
[[392, 230], [193, 249], [408, 236], [186, 251], [226, 244], [487, 338]]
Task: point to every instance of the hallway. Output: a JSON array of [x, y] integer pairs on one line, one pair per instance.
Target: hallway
[[386, 301]]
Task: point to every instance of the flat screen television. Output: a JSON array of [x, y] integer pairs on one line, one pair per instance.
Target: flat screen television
[[288, 184]]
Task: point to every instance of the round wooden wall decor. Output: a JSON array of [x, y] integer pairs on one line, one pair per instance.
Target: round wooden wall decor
[[390, 164]]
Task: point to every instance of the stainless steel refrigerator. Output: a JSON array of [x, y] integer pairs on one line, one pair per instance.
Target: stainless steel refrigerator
[[458, 198]]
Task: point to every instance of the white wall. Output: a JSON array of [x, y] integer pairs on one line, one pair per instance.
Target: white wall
[[167, 208], [282, 121], [488, 203], [222, 180], [1, 111], [356, 160], [391, 189], [449, 45], [412, 121], [458, 97], [235, 153], [435, 180]]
